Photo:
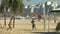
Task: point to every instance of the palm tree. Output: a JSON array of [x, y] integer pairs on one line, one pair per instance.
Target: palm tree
[[14, 5], [4, 9]]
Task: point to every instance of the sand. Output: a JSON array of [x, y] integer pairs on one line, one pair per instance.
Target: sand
[[23, 26]]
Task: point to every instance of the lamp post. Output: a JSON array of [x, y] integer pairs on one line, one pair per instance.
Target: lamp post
[[44, 15], [26, 7], [48, 3]]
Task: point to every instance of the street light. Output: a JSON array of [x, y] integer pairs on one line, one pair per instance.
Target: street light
[[26, 7], [48, 3], [44, 15]]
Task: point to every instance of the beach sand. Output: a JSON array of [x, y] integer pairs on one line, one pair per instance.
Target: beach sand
[[24, 26]]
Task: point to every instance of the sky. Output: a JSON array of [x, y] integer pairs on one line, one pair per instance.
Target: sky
[[34, 2]]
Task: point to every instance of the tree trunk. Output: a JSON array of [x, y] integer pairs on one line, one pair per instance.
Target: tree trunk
[[5, 9], [4, 19], [14, 21]]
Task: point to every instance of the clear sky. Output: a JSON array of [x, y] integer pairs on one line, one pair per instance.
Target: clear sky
[[34, 2]]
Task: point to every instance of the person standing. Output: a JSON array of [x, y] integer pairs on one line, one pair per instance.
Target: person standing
[[39, 17], [33, 25]]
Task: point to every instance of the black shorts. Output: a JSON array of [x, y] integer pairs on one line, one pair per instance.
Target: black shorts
[[33, 25]]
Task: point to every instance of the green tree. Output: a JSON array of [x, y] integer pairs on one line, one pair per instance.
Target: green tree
[[14, 5], [4, 9]]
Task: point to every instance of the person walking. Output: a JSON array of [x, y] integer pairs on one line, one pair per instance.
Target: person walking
[[9, 26]]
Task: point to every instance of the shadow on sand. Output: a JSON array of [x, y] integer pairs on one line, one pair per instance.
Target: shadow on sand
[[45, 33], [41, 32]]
